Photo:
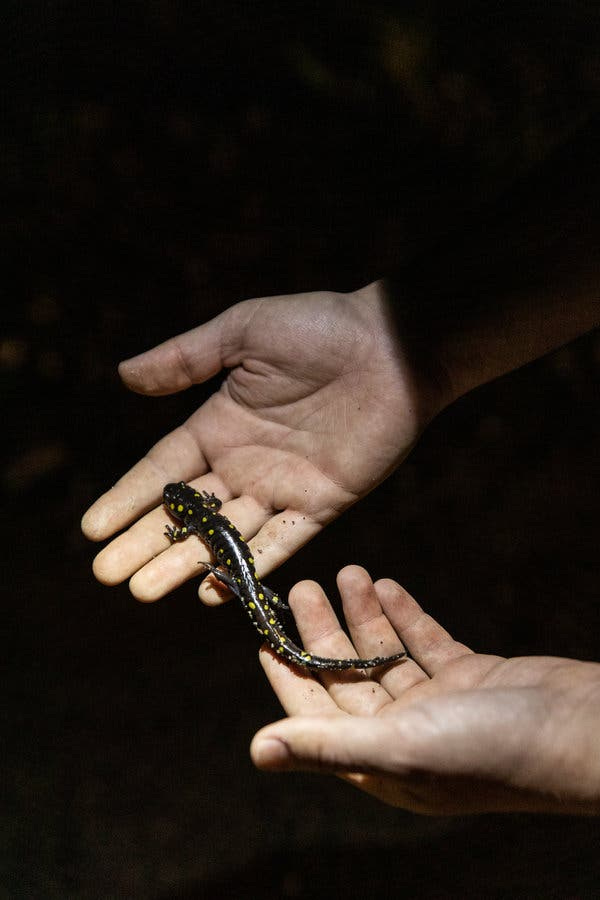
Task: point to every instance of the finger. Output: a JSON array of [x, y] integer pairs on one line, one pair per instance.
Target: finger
[[192, 357], [326, 744], [177, 363], [353, 691], [449, 795], [297, 689], [177, 457], [371, 631], [281, 535], [350, 749], [430, 645], [133, 549], [424, 738], [380, 756]]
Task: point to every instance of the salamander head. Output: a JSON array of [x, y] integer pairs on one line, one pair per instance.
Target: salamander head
[[179, 496]]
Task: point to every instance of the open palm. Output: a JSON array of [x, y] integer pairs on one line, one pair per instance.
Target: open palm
[[447, 731], [318, 406]]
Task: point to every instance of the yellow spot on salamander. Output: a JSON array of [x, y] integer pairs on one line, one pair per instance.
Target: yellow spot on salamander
[[211, 531], [252, 605], [251, 560], [282, 640], [272, 621], [261, 596], [265, 630], [179, 508], [171, 506], [280, 649], [220, 551], [227, 562], [190, 512], [204, 519]]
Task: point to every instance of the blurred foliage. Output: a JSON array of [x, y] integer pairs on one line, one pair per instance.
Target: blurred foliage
[[164, 159], [501, 81]]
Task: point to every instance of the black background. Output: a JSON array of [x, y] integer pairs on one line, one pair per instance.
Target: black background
[[162, 160]]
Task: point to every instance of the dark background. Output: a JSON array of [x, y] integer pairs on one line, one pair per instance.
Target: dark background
[[162, 160]]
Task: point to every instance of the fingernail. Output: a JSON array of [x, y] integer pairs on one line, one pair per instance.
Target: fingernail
[[270, 752]]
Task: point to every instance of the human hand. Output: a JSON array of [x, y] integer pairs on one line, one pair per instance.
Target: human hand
[[448, 731], [319, 405]]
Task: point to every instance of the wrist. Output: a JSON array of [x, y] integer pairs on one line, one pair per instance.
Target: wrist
[[414, 348], [581, 744], [562, 762]]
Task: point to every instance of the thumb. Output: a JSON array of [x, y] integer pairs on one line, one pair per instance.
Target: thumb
[[463, 735], [327, 744], [189, 358]]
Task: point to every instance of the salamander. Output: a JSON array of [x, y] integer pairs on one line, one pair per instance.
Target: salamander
[[199, 514]]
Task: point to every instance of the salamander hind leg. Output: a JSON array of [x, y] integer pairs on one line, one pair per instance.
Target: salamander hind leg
[[228, 579], [224, 577]]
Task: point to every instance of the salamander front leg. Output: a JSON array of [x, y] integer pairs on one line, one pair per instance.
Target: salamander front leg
[[175, 533]]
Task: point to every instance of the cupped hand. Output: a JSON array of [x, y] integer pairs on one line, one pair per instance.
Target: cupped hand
[[446, 731], [319, 404]]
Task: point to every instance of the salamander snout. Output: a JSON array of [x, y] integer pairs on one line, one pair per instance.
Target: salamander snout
[[174, 493]]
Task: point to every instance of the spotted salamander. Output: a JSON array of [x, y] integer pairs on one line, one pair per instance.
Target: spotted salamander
[[199, 514]]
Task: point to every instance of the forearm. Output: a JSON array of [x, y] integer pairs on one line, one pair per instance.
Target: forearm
[[521, 326], [515, 282]]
